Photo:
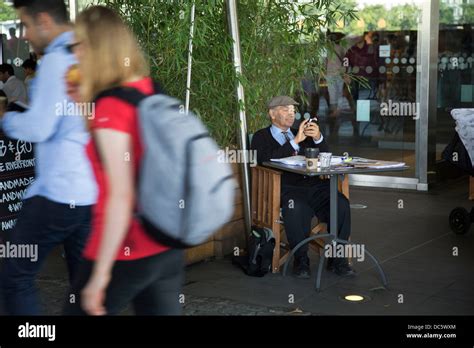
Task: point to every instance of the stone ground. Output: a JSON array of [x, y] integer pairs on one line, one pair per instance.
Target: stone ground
[[414, 245]]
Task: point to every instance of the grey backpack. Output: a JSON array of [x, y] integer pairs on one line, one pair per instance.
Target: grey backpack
[[184, 193]]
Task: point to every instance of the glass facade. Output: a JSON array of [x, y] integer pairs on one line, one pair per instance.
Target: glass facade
[[410, 63], [373, 112], [455, 66]]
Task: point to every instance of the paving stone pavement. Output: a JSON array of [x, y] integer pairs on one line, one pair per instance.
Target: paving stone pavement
[[414, 245], [54, 291]]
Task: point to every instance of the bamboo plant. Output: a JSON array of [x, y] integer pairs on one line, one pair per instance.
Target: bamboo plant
[[282, 42]]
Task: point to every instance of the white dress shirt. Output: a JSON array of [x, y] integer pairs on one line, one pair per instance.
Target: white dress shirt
[[15, 90]]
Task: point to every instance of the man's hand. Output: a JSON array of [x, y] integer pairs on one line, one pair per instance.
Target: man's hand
[[301, 136], [72, 86], [313, 131]]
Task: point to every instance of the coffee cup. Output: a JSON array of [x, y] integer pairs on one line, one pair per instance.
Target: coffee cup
[[312, 158]]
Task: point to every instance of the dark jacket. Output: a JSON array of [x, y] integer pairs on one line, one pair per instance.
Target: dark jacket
[[267, 148]]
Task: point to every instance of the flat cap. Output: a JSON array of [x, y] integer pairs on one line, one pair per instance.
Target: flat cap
[[281, 100]]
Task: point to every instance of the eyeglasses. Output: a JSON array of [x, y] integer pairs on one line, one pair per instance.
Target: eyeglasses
[[70, 47]]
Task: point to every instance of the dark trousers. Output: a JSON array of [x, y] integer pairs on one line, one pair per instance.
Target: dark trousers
[[356, 87], [300, 204], [153, 285], [46, 224]]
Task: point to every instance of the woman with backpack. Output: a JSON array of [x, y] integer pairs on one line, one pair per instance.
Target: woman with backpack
[[123, 265]]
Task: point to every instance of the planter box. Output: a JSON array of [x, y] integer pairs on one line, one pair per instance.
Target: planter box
[[230, 236], [199, 253]]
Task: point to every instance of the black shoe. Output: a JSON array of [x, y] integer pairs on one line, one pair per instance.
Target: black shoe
[[301, 267], [343, 269]]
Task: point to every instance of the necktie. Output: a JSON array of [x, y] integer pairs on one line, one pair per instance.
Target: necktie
[[287, 137]]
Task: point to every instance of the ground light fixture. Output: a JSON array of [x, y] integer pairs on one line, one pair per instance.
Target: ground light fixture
[[355, 298]]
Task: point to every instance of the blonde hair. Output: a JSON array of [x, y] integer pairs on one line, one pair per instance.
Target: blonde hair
[[111, 56], [3, 103]]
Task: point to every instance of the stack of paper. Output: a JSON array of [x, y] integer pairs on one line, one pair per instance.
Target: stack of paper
[[336, 160], [360, 160], [339, 162], [379, 165], [292, 161], [301, 160]]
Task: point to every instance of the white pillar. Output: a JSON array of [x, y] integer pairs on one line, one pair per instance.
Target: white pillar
[[190, 58], [427, 82], [73, 9], [237, 60]]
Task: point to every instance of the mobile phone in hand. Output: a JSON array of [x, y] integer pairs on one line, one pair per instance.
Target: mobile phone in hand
[[313, 119]]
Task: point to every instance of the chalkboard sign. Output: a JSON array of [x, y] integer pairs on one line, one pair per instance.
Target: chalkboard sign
[[17, 172]]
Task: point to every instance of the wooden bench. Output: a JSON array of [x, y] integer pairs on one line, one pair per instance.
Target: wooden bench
[[266, 194]]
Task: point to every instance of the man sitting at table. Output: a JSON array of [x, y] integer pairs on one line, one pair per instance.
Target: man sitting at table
[[302, 197]]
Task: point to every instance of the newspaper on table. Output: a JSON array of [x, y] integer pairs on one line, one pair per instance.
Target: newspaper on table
[[358, 162], [339, 162], [292, 160], [301, 160]]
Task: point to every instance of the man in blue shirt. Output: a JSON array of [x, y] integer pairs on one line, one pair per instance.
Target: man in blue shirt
[[302, 197], [57, 206]]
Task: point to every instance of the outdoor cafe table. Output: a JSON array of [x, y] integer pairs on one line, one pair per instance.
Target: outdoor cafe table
[[334, 174]]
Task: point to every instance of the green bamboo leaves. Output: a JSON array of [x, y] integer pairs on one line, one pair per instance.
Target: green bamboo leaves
[[282, 42]]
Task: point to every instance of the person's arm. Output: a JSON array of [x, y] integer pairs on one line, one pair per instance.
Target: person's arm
[[16, 92], [40, 121], [314, 139], [265, 150], [112, 145], [348, 58], [10, 92], [319, 141], [322, 146], [262, 143]]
